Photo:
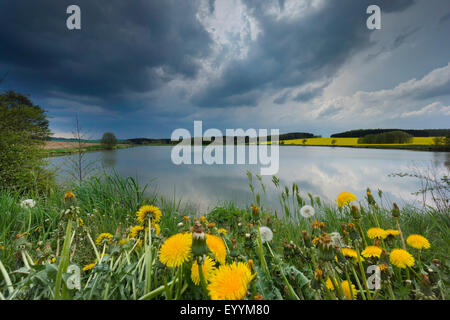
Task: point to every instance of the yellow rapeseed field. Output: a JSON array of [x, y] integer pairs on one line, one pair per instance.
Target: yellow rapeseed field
[[352, 141]]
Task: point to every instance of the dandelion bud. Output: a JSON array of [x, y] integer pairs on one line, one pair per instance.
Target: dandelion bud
[[355, 213], [370, 198], [255, 212], [251, 264], [395, 211], [199, 247], [259, 296], [180, 224]]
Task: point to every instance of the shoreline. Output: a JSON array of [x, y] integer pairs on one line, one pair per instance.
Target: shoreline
[[49, 153]]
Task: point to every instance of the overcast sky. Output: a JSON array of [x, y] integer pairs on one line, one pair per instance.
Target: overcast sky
[[144, 68]]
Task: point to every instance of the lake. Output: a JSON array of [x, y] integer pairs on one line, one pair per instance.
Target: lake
[[321, 171]]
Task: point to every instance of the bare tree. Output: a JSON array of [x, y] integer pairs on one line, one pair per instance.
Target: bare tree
[[79, 166]]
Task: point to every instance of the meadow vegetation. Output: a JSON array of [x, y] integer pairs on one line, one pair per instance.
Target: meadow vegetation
[[109, 238]]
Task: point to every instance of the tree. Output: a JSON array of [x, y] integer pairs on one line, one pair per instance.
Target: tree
[[23, 130], [109, 140]]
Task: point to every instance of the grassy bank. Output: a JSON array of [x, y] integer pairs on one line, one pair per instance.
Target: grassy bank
[[254, 252], [87, 148]]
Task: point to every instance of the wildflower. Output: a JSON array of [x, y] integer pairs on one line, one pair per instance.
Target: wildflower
[[217, 247], [211, 225], [418, 242], [203, 219], [383, 267], [347, 292], [355, 212], [345, 285], [186, 218], [329, 283], [53, 260], [156, 228], [326, 248], [395, 211], [315, 240], [251, 264], [222, 231], [68, 195], [266, 234], [392, 232], [124, 241], [230, 282], [104, 238], [29, 203], [88, 267], [349, 253], [136, 231], [315, 224], [336, 239], [376, 233], [80, 222], [176, 250], [345, 198], [401, 258], [372, 251], [208, 269], [147, 212], [307, 211]]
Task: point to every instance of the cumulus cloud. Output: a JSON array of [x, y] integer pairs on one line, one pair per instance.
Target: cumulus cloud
[[404, 100]]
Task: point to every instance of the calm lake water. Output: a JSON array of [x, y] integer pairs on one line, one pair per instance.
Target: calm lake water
[[321, 171]]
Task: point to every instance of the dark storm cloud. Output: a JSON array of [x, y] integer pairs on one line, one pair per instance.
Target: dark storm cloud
[[291, 53], [123, 47]]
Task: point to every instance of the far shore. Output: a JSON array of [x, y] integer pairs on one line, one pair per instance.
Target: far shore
[[63, 148]]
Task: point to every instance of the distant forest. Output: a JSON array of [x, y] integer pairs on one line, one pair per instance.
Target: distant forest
[[415, 133]]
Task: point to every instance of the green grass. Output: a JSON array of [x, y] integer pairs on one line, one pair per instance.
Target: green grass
[[67, 151], [108, 203]]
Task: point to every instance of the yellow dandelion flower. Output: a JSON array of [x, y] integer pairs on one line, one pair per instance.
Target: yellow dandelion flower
[[157, 228], [347, 292], [53, 260], [208, 269], [176, 250], [401, 258], [148, 212], [222, 231], [135, 231], [418, 242], [104, 238], [230, 282], [376, 233], [315, 240], [203, 219], [217, 247], [383, 267], [371, 251], [80, 222], [350, 253], [345, 198], [329, 284], [69, 195], [124, 241], [392, 232], [88, 267]]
